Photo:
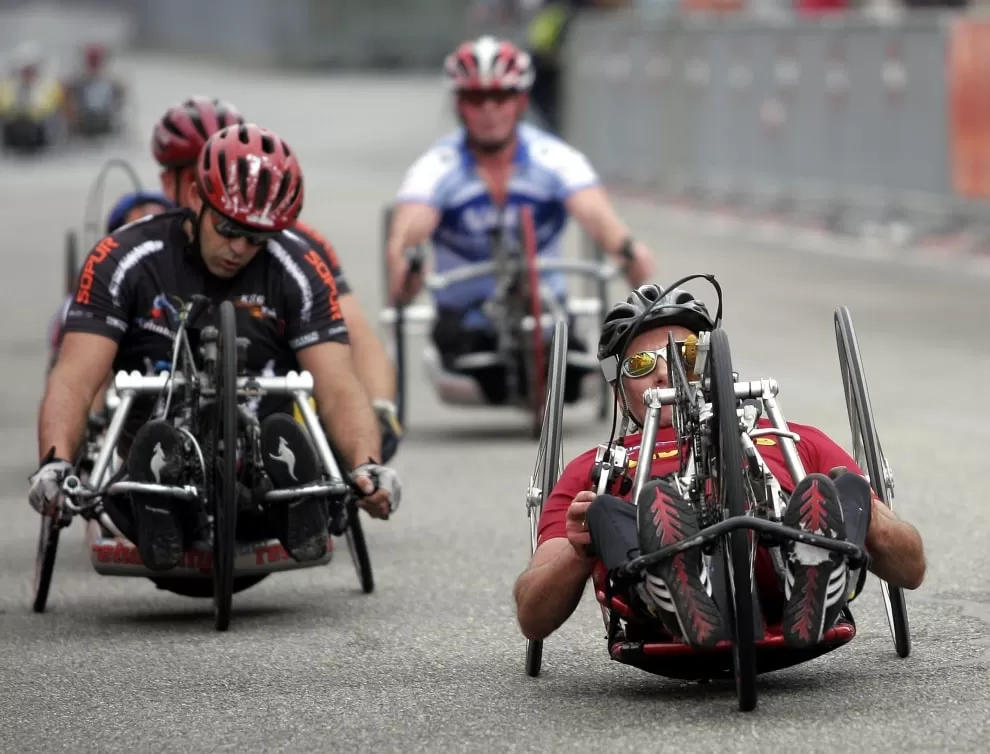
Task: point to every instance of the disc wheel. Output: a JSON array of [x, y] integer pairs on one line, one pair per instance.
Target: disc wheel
[[549, 463], [224, 491], [357, 545], [737, 545], [869, 455]]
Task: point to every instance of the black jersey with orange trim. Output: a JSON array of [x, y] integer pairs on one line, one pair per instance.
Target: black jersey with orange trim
[[134, 280]]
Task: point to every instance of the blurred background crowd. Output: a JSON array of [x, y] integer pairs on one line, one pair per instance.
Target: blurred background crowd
[[854, 112]]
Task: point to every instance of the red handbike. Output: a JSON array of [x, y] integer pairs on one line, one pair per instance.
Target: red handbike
[[739, 502]]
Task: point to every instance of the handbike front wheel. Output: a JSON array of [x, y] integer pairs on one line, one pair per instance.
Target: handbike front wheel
[[869, 455], [549, 464], [737, 545], [358, 547], [44, 565], [225, 491]]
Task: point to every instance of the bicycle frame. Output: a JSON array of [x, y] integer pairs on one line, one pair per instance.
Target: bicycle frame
[[86, 499], [766, 515]]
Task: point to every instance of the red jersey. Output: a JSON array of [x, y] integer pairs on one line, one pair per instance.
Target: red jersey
[[817, 451]]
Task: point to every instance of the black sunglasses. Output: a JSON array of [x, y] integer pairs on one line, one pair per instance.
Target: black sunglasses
[[232, 231]]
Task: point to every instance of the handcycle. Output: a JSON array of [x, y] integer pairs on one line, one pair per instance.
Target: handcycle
[[93, 217], [206, 403], [522, 311], [739, 502]]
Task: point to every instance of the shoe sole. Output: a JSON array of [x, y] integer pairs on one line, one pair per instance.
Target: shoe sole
[[816, 578], [306, 531], [159, 535], [306, 536], [697, 616]]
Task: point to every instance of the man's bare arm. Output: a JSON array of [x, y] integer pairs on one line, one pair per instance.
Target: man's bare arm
[[373, 366], [896, 550], [594, 213], [84, 360], [412, 224], [344, 405], [548, 592]]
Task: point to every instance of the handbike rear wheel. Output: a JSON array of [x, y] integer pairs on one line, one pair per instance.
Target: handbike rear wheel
[[869, 455], [71, 262], [549, 464], [44, 564], [225, 492], [536, 368], [737, 545], [358, 547]]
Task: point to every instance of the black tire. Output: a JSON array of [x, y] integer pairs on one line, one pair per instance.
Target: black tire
[[549, 459], [607, 398], [737, 546], [358, 547], [44, 566], [71, 262], [868, 453], [224, 492], [400, 365]]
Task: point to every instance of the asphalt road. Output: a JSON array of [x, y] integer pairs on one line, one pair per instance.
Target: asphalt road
[[433, 660]]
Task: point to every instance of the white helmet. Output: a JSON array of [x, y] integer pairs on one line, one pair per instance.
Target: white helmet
[[26, 55], [488, 63]]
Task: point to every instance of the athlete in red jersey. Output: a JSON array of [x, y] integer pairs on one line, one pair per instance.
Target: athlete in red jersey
[[578, 528]]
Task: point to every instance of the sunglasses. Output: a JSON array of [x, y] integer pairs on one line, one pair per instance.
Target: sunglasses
[[642, 363], [232, 231], [478, 98]]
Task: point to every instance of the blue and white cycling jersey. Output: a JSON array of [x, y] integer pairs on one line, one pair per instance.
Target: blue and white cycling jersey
[[546, 172]]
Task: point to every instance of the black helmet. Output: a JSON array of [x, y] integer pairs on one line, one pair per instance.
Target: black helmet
[[646, 308]]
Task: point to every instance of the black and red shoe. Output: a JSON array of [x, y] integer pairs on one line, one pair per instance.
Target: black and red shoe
[[678, 589], [816, 578]]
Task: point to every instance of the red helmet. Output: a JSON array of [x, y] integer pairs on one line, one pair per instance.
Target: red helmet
[[250, 176], [95, 54], [488, 63], [182, 131]]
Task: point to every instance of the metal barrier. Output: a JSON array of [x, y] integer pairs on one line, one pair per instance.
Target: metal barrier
[[332, 33], [837, 123]]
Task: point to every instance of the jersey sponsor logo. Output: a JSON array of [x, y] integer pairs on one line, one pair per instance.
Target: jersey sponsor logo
[[118, 324], [152, 326], [481, 219], [324, 244], [765, 441], [317, 263], [656, 457], [304, 340], [255, 306], [88, 275]]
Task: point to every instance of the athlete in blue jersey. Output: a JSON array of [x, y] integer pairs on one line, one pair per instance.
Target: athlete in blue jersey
[[472, 182]]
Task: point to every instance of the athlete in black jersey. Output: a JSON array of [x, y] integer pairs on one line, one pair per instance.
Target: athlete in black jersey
[[230, 244]]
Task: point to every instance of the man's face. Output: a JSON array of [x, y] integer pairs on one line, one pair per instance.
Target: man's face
[[223, 255], [177, 182], [651, 340], [490, 116]]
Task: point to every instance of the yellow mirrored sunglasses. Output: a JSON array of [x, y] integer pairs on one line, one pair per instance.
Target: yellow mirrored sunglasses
[[642, 363]]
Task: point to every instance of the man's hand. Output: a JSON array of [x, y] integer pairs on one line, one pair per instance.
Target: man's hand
[[639, 266], [388, 420], [381, 487], [46, 485], [577, 523]]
